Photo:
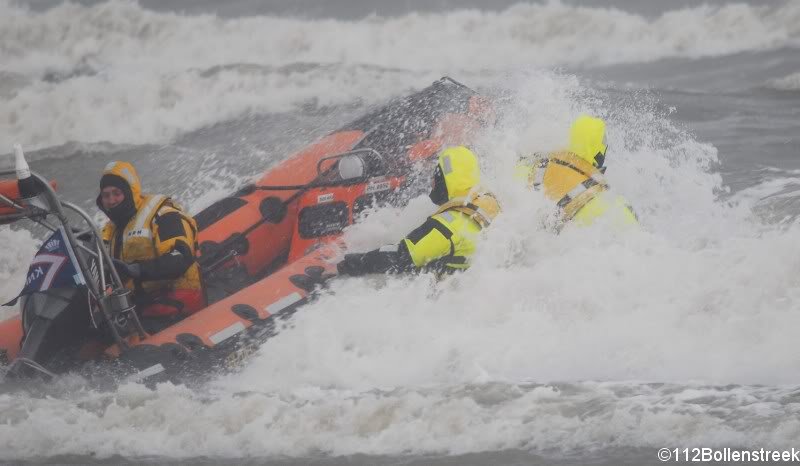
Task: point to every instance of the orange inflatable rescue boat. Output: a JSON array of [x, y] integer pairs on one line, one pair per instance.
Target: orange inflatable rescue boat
[[264, 249]]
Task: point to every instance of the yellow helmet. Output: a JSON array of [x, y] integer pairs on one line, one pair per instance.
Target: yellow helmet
[[587, 139], [456, 174]]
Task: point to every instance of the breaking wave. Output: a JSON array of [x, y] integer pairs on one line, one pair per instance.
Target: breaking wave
[[120, 73], [787, 83]]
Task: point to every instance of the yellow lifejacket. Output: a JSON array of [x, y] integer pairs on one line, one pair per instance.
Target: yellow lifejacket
[[481, 208], [141, 241], [450, 237], [578, 188]]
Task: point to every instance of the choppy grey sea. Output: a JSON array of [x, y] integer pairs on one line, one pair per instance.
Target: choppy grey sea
[[590, 347]]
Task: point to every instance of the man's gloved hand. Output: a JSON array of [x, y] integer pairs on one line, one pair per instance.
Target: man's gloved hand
[[126, 270], [353, 265]]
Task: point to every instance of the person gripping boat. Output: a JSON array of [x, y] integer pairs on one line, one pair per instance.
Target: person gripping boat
[[574, 178], [153, 244], [445, 242]]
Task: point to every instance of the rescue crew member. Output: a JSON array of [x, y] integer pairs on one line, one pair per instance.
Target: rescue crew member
[[574, 178], [447, 239], [153, 243]]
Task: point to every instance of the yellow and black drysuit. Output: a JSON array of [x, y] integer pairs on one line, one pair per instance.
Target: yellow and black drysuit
[[447, 239], [153, 243], [574, 178]]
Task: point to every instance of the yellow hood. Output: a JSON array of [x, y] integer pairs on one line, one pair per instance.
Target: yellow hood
[[587, 138], [461, 171], [126, 171]]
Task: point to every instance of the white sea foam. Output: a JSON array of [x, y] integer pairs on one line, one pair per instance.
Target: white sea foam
[[175, 422], [15, 254], [120, 73], [787, 83], [705, 294]]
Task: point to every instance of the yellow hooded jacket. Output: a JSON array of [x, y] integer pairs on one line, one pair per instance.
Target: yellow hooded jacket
[[140, 238], [449, 235], [573, 180]]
